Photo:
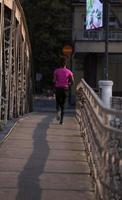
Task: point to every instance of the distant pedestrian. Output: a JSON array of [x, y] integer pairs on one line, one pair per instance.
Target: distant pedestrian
[[39, 83], [62, 78]]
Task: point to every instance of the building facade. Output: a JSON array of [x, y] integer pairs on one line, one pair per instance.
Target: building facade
[[88, 58]]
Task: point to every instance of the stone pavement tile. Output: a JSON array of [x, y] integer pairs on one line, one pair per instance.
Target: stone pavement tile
[[8, 164], [37, 194], [49, 137], [53, 154], [42, 160], [65, 181], [63, 139], [66, 166], [15, 143], [66, 195], [66, 146], [46, 181], [9, 194], [67, 155], [11, 165]]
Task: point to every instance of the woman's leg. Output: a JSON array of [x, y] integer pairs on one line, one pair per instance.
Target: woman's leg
[[57, 100], [62, 104], [57, 93]]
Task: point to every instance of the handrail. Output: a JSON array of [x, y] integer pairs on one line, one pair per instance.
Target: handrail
[[90, 92], [114, 35], [102, 141]]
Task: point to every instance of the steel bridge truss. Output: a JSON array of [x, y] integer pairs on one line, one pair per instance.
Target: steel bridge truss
[[15, 62]]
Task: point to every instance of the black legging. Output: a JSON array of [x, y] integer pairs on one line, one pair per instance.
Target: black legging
[[61, 95]]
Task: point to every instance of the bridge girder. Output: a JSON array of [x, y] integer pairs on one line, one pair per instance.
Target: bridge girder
[[15, 62]]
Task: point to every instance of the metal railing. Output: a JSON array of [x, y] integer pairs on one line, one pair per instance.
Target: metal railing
[[102, 141], [15, 62], [116, 103], [84, 1], [3, 117], [97, 35]]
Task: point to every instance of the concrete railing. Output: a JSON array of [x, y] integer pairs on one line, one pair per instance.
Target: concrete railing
[[102, 141]]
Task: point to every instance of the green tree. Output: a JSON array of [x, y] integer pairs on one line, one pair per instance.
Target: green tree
[[49, 24]]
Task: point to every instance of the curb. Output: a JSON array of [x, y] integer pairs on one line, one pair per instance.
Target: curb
[[13, 126], [7, 135]]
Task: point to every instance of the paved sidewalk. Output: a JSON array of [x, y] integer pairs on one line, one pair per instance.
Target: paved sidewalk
[[42, 160], [43, 103]]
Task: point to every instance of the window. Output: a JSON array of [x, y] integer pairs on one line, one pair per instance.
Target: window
[[113, 22]]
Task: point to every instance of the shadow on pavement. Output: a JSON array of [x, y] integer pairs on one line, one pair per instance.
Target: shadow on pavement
[[29, 179]]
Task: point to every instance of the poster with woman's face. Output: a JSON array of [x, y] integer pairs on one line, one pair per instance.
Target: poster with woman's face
[[94, 14]]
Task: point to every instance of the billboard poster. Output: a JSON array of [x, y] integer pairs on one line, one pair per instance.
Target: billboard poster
[[94, 14]]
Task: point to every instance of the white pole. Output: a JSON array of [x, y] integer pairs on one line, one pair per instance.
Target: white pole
[[105, 87]]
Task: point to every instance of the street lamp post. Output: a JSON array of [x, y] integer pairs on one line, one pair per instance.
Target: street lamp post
[[67, 52], [106, 25], [106, 85]]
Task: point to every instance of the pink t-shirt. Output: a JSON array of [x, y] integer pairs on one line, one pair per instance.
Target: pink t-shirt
[[61, 77]]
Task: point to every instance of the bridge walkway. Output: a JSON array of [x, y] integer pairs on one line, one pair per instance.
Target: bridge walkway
[[42, 160]]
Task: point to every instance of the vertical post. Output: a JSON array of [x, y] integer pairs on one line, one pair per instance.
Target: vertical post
[[9, 74], [1, 49], [17, 40], [106, 92], [106, 25], [13, 58], [105, 85], [22, 77]]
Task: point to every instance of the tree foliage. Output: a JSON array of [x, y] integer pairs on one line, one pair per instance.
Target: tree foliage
[[49, 24]]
